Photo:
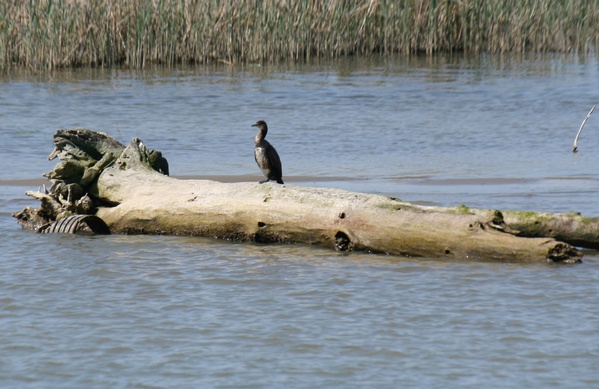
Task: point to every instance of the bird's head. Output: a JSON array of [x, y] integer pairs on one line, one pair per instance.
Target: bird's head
[[261, 124]]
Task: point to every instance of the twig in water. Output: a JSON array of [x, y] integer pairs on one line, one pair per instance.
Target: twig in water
[[575, 149]]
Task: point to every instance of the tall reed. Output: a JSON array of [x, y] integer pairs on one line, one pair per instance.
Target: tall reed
[[63, 33]]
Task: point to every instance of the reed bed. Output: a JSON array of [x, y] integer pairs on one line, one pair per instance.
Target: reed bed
[[68, 33]]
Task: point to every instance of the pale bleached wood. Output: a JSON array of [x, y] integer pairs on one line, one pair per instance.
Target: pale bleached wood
[[98, 175], [147, 202], [575, 147]]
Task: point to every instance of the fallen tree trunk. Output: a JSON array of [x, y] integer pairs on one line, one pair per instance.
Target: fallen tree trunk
[[570, 227], [133, 198]]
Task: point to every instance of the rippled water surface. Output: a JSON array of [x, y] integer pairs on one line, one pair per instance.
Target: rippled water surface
[[163, 312]]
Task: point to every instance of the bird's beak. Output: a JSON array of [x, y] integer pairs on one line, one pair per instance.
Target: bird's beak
[[255, 125]]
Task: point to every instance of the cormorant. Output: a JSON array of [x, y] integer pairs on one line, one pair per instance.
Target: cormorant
[[266, 156]]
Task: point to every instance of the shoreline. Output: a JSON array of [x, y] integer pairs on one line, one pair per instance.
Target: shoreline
[[135, 34], [38, 182], [413, 179]]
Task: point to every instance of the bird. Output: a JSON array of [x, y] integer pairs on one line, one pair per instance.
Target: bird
[[266, 156]]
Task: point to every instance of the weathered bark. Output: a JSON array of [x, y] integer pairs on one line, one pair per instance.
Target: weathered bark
[[133, 198], [75, 224], [84, 154], [570, 227]]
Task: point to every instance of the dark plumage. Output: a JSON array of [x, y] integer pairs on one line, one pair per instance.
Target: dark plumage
[[266, 156]]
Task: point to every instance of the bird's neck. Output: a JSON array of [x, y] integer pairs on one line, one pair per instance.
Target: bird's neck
[[260, 136]]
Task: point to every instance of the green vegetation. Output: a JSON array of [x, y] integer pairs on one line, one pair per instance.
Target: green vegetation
[[462, 209], [63, 33]]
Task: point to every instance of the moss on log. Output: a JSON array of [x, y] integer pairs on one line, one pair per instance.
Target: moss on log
[[570, 227]]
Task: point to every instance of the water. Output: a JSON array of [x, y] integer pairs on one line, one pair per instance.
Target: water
[[158, 312]]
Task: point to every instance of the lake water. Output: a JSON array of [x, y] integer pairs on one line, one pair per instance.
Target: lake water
[[164, 312]]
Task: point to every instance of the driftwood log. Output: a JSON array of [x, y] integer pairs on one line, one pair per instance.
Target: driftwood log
[[129, 188]]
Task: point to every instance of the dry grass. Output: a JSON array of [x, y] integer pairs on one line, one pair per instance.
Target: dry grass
[[64, 33]]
